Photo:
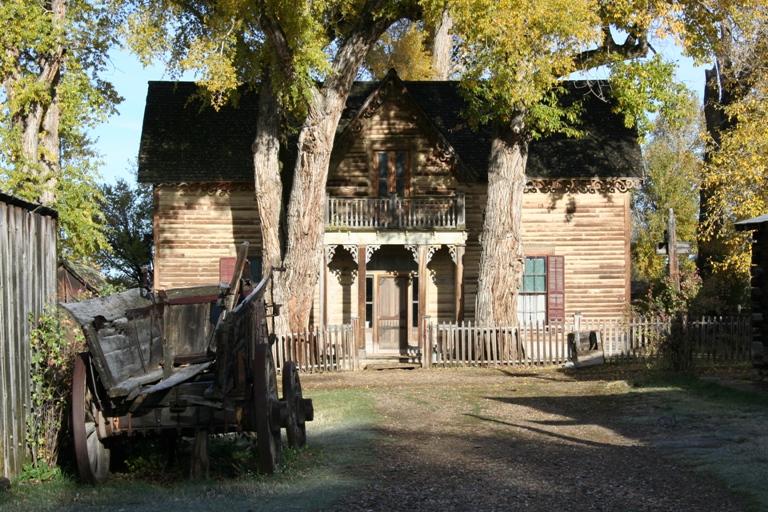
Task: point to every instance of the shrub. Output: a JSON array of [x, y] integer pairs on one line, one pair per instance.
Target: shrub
[[55, 342]]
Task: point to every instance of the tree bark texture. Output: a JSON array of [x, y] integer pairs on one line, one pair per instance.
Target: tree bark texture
[[294, 288], [269, 189], [501, 257], [442, 46]]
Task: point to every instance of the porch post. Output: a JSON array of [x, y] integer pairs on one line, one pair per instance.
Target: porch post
[[459, 283], [324, 288], [423, 276], [361, 250]]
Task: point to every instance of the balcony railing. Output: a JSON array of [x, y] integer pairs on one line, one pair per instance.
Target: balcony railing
[[395, 212]]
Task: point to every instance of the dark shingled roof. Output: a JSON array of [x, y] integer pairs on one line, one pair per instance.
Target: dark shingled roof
[[185, 140]]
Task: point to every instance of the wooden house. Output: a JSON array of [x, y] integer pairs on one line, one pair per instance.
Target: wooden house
[[404, 208]]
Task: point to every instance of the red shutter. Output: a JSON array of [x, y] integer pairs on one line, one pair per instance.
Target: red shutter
[[555, 288], [226, 269]]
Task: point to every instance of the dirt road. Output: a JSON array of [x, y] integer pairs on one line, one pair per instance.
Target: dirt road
[[528, 440]]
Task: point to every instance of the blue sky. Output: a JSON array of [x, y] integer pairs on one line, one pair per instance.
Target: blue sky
[[118, 139]]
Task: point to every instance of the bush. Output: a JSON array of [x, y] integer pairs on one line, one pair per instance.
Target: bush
[[55, 342]]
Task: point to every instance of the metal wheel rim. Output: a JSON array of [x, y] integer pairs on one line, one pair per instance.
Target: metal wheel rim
[[91, 453], [265, 398], [296, 430]]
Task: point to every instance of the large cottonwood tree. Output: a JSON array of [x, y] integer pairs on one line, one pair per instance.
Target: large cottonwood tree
[[736, 165], [306, 55], [51, 55]]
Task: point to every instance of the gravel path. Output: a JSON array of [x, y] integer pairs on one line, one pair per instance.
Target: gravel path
[[497, 440]]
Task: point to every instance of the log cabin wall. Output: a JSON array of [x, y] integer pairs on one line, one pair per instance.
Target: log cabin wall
[[590, 230], [587, 229], [196, 225]]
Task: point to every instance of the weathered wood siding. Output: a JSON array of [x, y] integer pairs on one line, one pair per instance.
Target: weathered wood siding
[[392, 127], [27, 283], [591, 231], [196, 225]]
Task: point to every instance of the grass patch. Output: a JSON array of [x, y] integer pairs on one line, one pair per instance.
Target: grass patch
[[312, 478]]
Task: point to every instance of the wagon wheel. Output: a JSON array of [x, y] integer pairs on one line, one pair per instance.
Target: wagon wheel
[[267, 409], [296, 428], [91, 453]]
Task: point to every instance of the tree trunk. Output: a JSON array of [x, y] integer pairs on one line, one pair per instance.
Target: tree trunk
[[269, 191], [38, 122], [305, 227], [501, 256], [442, 46], [305, 224]]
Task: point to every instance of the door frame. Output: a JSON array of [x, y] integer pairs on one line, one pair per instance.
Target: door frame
[[372, 332]]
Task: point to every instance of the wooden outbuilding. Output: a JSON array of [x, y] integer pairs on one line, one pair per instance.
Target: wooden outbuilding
[[28, 235], [404, 207], [759, 283]]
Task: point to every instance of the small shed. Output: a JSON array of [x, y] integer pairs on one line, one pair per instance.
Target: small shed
[[78, 282], [759, 283], [28, 234]]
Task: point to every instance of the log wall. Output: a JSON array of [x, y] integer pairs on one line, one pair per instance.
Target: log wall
[[28, 234]]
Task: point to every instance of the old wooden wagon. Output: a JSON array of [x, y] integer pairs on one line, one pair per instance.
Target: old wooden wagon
[[191, 361]]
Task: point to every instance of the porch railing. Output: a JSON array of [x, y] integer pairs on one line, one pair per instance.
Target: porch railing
[[395, 212]]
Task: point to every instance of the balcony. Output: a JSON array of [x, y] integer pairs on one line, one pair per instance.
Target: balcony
[[395, 212]]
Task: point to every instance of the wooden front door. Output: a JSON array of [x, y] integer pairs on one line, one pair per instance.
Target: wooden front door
[[392, 320]]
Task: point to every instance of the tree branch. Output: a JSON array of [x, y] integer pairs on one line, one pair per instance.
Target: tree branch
[[634, 46]]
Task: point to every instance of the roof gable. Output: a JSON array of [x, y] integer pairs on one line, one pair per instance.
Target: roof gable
[[392, 88]]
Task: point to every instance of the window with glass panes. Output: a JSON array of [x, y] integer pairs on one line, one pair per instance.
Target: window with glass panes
[[392, 173], [532, 301], [542, 295]]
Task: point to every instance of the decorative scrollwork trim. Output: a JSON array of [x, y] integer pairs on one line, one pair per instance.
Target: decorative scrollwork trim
[[208, 188], [583, 186]]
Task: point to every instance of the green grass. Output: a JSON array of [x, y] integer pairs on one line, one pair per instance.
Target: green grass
[[339, 441]]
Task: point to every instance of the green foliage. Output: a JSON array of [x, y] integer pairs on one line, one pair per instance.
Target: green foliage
[[54, 344], [128, 222], [673, 173], [402, 47], [40, 473], [60, 154], [517, 52], [643, 87]]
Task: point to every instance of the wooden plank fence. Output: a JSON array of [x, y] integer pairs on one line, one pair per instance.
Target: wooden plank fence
[[28, 234], [714, 340], [330, 349]]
